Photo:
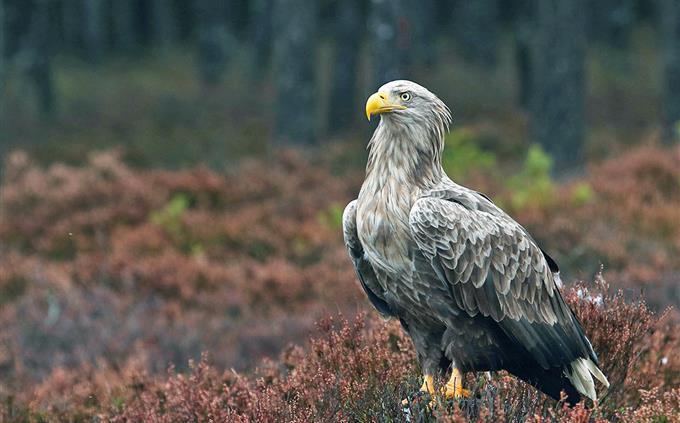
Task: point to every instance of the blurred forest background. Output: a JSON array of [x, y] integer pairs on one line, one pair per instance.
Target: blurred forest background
[[178, 82], [173, 175]]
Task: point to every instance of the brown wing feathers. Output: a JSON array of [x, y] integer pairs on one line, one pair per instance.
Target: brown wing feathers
[[493, 268]]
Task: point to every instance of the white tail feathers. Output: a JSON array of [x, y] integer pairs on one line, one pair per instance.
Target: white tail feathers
[[581, 372], [558, 280]]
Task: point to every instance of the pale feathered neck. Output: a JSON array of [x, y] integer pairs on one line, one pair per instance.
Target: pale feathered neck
[[406, 153]]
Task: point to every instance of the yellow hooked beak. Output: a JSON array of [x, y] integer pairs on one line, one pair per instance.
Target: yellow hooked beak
[[378, 103]]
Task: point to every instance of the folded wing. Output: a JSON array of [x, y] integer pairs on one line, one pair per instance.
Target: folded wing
[[493, 268]]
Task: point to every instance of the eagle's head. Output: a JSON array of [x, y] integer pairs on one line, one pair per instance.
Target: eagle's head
[[410, 112], [406, 102]]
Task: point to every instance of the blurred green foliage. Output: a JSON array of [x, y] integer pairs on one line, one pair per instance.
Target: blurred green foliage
[[169, 218], [581, 194], [533, 184], [463, 154], [332, 216]]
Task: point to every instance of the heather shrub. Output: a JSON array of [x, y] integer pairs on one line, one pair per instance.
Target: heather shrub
[[626, 222], [110, 274], [109, 262], [361, 371], [621, 333]]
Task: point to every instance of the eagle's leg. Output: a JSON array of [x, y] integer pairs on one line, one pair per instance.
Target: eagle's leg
[[454, 387], [428, 384], [426, 388], [427, 342]]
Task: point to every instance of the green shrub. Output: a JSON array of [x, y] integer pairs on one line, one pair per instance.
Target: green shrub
[[533, 185], [332, 216], [463, 154], [581, 194], [169, 218]]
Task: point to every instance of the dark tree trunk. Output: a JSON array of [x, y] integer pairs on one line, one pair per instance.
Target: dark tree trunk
[[261, 33], [348, 28], [295, 24], [39, 66], [2, 87], [671, 69], [94, 34], [524, 23], [215, 42], [2, 56], [164, 25], [558, 99], [389, 41], [72, 24], [125, 36], [611, 21], [424, 29], [477, 28]]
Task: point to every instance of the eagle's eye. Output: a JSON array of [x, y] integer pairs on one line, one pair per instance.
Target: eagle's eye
[[405, 96]]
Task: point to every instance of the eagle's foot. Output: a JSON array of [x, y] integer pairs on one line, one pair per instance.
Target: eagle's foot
[[428, 385], [426, 392], [454, 387], [452, 390]]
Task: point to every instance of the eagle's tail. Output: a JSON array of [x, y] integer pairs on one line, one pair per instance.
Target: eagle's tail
[[580, 373]]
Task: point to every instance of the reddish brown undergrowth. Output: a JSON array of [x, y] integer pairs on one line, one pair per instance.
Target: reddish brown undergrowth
[[628, 223], [108, 274], [356, 371], [108, 262]]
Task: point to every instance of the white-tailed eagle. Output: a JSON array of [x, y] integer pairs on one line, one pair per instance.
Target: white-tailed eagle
[[469, 285]]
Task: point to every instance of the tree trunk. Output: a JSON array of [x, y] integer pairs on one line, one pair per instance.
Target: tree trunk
[[558, 100], [39, 66], [424, 29], [94, 35], [164, 24], [348, 28], [125, 37], [524, 24], [477, 29], [671, 69], [2, 89], [215, 42], [261, 33], [611, 21], [71, 23], [295, 24], [389, 41], [2, 56]]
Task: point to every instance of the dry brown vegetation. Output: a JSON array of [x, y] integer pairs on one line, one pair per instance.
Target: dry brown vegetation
[[108, 274]]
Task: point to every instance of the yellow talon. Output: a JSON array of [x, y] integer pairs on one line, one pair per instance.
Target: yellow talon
[[428, 384], [454, 387], [428, 388]]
